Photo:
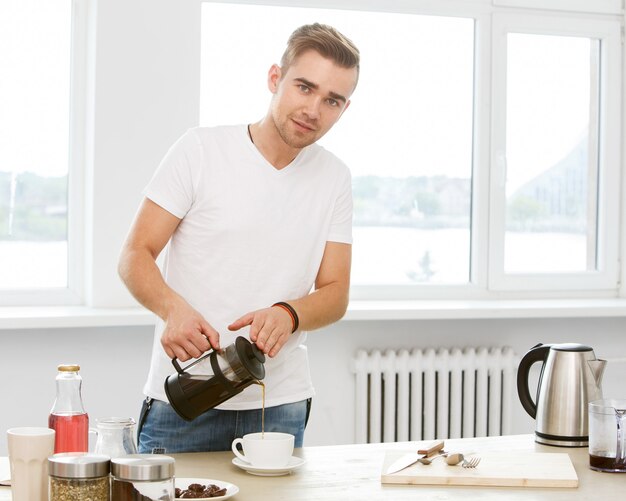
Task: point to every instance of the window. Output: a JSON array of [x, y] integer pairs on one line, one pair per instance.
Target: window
[[484, 136], [407, 136], [556, 164], [482, 145], [552, 161], [35, 60]]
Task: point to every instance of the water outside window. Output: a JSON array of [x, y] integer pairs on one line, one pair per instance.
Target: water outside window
[[34, 127], [552, 154], [407, 136]]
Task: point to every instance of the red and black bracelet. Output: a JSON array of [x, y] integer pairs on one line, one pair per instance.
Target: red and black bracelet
[[292, 313]]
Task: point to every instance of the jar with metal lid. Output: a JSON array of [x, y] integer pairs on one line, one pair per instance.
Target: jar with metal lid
[[79, 477], [142, 477]]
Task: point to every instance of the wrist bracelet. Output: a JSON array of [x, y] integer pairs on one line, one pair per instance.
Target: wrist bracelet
[[292, 313]]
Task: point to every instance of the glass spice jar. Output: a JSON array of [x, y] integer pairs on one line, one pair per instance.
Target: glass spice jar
[[79, 477], [142, 477]]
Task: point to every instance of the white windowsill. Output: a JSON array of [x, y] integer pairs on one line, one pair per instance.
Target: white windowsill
[[78, 316], [51, 317], [485, 309]]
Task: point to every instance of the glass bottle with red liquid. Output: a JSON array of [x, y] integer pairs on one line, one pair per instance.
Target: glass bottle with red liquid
[[68, 417]]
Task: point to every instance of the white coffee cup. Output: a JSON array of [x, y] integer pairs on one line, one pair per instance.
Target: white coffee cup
[[29, 449], [265, 450]]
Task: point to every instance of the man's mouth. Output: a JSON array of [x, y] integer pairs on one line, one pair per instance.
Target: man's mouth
[[303, 125]]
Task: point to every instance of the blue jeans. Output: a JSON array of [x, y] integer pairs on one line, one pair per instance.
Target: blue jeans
[[163, 431]]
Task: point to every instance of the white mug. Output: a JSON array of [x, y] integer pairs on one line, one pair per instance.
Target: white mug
[[29, 449], [265, 450]]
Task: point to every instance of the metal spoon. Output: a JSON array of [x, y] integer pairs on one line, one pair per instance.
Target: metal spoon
[[428, 460], [454, 459]]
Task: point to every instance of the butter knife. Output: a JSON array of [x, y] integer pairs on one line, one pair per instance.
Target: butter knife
[[410, 458]]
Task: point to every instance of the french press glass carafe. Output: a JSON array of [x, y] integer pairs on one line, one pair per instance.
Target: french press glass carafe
[[233, 369]]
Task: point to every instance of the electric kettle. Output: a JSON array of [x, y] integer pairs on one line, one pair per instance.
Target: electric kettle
[[231, 371], [570, 378]]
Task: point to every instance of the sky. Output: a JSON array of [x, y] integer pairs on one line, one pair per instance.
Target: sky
[[548, 101], [34, 85]]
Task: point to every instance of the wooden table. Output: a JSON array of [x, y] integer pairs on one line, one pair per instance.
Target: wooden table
[[352, 472]]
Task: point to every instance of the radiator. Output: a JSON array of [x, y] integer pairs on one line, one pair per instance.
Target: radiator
[[428, 394]]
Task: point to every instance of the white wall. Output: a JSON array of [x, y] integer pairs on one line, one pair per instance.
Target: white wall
[[147, 80], [115, 361]]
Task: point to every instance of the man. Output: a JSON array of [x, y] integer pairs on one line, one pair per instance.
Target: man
[[254, 215]]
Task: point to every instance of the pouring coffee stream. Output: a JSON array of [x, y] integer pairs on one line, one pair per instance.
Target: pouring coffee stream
[[262, 384]]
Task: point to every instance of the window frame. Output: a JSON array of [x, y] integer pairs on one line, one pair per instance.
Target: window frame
[[80, 134], [605, 278]]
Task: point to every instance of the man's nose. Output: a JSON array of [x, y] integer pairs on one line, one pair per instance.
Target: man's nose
[[312, 108]]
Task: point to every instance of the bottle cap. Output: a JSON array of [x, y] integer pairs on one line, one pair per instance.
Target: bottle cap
[[143, 467], [78, 465], [68, 368]]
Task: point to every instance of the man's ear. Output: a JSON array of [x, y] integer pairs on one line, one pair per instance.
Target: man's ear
[[273, 78]]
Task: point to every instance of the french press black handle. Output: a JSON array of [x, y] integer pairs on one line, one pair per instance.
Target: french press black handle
[[182, 371], [177, 366]]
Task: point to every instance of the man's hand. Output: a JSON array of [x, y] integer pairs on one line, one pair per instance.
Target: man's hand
[[270, 328], [187, 334]]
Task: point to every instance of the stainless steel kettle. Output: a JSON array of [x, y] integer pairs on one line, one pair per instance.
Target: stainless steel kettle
[[570, 378]]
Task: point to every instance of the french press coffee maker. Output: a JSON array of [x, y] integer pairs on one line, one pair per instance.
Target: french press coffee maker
[[233, 369]]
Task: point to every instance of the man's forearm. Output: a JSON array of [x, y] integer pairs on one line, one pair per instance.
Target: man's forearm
[[323, 307], [142, 277]]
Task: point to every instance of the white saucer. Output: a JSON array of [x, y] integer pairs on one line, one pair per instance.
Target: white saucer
[[294, 463]]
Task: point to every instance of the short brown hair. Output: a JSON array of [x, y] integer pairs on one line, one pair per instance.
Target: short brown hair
[[326, 41]]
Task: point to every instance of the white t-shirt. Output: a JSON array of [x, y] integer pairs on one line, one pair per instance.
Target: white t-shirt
[[250, 236]]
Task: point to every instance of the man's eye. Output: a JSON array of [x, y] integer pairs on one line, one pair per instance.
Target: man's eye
[[304, 88], [333, 102]]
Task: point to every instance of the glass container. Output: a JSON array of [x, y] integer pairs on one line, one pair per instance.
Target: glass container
[[68, 417], [116, 436], [142, 477], [607, 435], [79, 477]]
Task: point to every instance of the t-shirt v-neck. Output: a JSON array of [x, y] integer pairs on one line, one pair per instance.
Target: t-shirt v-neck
[[261, 159]]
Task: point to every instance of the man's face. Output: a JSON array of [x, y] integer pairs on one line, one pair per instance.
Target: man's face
[[309, 97]]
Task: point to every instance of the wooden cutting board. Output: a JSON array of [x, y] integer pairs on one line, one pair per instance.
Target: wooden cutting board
[[512, 469]]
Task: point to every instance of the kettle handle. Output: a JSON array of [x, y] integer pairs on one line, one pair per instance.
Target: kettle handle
[[538, 353]]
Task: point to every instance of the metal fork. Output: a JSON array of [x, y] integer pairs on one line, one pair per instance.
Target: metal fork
[[471, 463]]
